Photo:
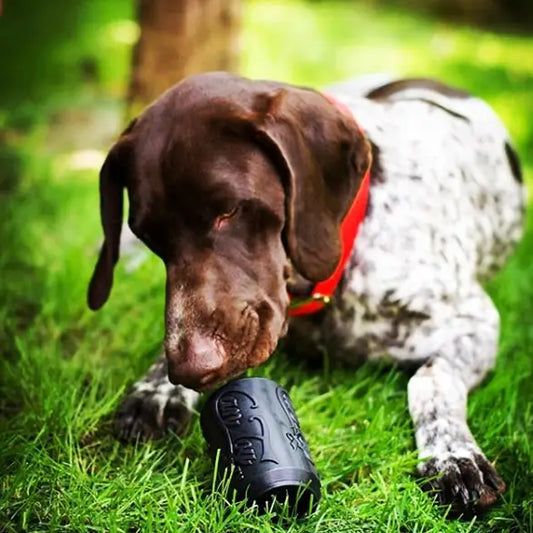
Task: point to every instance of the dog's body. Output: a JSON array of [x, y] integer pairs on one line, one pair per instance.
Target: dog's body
[[446, 208], [439, 221], [445, 211]]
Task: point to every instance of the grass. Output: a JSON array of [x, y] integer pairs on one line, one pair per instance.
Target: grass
[[64, 368]]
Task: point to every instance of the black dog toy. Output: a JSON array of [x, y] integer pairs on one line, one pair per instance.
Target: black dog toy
[[253, 424]]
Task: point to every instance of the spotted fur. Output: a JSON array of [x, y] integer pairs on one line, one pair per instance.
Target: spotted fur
[[154, 406], [446, 209]]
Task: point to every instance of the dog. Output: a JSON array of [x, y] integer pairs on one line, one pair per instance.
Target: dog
[[241, 188]]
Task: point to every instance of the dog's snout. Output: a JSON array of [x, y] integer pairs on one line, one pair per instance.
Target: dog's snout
[[195, 361]]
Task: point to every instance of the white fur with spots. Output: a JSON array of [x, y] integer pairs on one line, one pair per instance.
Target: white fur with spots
[[445, 211]]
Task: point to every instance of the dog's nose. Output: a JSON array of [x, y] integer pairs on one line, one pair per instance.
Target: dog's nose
[[197, 361]]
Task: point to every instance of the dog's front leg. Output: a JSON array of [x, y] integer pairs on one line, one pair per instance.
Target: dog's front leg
[[154, 406], [461, 342]]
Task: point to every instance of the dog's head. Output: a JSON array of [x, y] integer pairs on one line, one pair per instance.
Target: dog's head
[[230, 181]]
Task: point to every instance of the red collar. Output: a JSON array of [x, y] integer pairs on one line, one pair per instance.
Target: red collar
[[323, 290]]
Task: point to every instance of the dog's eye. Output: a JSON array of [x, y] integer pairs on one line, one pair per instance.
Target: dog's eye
[[222, 219]]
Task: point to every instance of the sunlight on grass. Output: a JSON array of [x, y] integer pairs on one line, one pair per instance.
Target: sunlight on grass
[[344, 39], [65, 368], [82, 160], [122, 32]]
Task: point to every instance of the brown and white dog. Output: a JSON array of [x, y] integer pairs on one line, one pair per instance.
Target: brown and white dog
[[240, 187]]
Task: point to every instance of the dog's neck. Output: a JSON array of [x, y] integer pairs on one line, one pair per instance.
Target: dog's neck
[[323, 291]]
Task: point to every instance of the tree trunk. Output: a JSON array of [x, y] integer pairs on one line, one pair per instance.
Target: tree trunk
[[179, 38]]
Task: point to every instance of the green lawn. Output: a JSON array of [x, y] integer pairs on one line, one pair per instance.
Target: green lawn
[[63, 369]]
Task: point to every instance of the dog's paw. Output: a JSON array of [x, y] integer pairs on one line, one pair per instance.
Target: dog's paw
[[151, 410], [468, 484]]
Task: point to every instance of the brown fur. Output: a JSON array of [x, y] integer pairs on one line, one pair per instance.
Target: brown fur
[[229, 180]]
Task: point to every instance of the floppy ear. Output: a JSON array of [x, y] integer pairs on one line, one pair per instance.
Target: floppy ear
[[322, 156], [112, 182]]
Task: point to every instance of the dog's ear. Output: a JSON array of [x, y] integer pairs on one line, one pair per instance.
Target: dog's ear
[[322, 157], [113, 176]]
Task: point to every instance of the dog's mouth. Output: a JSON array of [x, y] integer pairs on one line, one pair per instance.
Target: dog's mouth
[[205, 356], [253, 354], [211, 383]]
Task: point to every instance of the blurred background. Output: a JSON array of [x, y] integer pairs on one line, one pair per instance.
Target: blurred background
[[62, 61], [72, 72]]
